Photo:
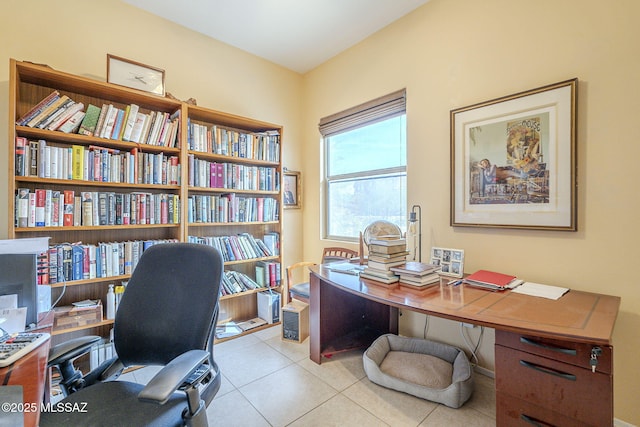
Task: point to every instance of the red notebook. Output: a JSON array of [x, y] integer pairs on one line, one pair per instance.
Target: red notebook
[[486, 277]]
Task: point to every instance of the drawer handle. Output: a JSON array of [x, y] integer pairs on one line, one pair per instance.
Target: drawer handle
[[533, 421], [549, 371], [568, 351]]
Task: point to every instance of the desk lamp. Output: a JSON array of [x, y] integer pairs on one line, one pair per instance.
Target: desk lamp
[[415, 220]]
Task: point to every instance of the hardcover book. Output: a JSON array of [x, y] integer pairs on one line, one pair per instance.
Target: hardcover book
[[490, 278], [414, 268], [387, 250], [90, 120]]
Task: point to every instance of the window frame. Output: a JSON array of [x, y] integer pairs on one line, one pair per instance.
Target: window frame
[[368, 113]]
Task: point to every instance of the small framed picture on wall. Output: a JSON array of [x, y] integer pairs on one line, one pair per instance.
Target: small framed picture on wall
[[292, 195]]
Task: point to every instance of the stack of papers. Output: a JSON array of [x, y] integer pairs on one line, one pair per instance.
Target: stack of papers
[[345, 267], [539, 290]]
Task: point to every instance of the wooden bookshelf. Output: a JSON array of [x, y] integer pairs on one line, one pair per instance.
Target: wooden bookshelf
[[31, 83]]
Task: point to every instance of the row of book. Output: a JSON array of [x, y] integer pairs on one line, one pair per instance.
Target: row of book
[[267, 276], [230, 142], [66, 208], [94, 163], [236, 248], [60, 113], [76, 261], [203, 173], [231, 208]]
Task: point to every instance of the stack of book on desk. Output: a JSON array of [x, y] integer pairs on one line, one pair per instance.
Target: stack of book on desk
[[417, 274], [492, 280], [385, 252]]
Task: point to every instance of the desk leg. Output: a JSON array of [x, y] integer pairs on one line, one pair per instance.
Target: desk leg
[[342, 321], [314, 319]]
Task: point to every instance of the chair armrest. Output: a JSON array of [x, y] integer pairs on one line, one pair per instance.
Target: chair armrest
[[172, 376], [71, 349]]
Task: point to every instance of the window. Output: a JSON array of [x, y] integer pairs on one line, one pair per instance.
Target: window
[[365, 167]]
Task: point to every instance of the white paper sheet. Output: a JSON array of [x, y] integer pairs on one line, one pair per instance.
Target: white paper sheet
[[540, 290]]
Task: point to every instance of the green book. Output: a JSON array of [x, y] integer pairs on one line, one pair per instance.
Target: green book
[[88, 125]]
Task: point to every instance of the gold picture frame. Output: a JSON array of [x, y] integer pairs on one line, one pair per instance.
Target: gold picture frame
[[292, 190], [513, 160], [135, 75]]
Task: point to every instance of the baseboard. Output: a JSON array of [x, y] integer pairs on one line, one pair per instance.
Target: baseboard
[[484, 371], [620, 423]]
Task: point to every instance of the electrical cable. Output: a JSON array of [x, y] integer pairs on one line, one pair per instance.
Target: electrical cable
[[470, 347], [426, 326]]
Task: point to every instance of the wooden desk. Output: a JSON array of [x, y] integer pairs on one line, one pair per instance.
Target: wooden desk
[[30, 372], [347, 312]]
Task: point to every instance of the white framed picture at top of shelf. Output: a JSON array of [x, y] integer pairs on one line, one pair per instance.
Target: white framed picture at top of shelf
[[125, 72]]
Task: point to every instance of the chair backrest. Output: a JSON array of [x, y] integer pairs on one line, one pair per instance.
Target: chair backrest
[[170, 304], [337, 254]]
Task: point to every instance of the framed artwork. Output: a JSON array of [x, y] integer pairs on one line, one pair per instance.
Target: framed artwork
[[292, 195], [513, 160], [132, 74], [451, 261]]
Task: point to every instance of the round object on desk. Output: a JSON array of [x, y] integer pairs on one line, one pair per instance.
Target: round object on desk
[[380, 228]]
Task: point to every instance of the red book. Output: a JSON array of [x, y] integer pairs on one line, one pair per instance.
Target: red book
[[485, 277], [213, 177], [69, 199], [41, 196]]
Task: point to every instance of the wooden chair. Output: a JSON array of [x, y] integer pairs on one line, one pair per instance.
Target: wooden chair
[[300, 291]]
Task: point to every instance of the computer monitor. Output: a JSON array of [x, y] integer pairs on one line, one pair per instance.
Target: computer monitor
[[18, 275]]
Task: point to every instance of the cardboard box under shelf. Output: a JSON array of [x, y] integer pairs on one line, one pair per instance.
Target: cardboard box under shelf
[[68, 316]]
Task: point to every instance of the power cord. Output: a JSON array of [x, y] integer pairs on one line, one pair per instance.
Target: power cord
[[426, 326], [473, 350]]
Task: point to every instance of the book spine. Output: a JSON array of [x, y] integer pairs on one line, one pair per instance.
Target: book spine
[[20, 156], [38, 108], [22, 207], [69, 198]]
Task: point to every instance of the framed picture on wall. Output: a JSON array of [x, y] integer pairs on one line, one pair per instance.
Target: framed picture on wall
[[513, 160], [292, 194]]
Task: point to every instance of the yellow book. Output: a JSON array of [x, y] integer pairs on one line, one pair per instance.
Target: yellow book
[[77, 158]]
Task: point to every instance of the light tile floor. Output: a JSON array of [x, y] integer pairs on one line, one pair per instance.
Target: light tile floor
[[269, 382]]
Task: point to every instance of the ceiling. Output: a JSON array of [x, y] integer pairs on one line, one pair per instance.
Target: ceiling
[[296, 34]]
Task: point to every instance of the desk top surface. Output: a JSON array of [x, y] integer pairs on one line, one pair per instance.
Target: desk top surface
[[579, 316]]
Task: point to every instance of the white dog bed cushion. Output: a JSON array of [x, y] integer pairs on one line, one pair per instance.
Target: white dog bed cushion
[[426, 369]]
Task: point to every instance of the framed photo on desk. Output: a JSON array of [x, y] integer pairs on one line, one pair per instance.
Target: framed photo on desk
[[513, 160]]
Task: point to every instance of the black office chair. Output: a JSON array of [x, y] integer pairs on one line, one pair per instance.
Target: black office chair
[[167, 316]]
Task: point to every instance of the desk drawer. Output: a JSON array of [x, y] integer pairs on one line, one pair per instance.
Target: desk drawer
[[511, 411], [577, 354], [575, 392]]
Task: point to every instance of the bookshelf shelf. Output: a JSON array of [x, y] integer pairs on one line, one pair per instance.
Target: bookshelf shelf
[[83, 328], [248, 292], [73, 138], [229, 224], [79, 183], [154, 166], [118, 278]]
